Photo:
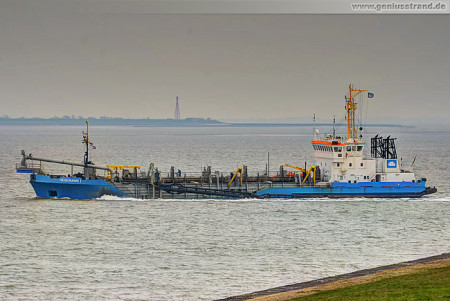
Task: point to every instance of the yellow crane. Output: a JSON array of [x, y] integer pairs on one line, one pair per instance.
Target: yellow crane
[[240, 171], [306, 172], [121, 167]]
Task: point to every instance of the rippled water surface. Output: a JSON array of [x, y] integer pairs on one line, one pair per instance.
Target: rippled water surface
[[112, 248]]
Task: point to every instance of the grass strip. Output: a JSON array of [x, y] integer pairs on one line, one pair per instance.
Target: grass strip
[[423, 284]]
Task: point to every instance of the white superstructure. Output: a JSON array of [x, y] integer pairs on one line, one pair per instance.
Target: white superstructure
[[342, 159]]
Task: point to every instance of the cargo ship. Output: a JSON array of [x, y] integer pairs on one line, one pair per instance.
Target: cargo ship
[[341, 170]]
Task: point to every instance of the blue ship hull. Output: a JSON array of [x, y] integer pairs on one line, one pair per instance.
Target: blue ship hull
[[71, 187], [47, 186], [341, 190]]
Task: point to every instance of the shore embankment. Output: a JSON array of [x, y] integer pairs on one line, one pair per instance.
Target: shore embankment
[[292, 291]]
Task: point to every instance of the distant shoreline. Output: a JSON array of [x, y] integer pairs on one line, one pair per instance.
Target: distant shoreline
[[189, 122]]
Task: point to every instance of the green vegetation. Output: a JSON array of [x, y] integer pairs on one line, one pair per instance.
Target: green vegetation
[[429, 284]]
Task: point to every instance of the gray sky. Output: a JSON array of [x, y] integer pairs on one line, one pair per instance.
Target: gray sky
[[64, 60]]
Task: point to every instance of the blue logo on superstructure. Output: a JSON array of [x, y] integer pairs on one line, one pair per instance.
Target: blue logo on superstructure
[[391, 163]]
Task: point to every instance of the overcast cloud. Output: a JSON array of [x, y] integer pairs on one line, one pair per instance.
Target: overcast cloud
[[63, 62]]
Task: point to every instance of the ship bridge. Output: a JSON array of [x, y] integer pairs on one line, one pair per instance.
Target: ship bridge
[[335, 156], [328, 145]]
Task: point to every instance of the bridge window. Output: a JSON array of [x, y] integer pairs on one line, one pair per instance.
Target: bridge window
[[353, 148], [360, 148], [349, 148]]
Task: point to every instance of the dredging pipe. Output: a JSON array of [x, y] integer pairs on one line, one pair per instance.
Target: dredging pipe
[[30, 157]]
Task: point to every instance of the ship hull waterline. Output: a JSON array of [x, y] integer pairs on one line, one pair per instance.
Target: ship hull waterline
[[77, 188], [72, 187]]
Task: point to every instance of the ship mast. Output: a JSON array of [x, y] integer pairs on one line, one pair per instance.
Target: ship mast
[[86, 141], [350, 106]]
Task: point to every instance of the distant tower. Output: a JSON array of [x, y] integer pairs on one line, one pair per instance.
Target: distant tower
[[177, 116]]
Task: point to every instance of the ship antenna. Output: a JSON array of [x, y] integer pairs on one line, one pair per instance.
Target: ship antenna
[[334, 122], [314, 128]]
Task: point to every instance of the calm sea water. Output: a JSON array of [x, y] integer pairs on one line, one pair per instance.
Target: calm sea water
[[113, 248]]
